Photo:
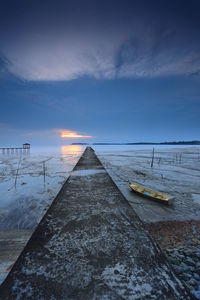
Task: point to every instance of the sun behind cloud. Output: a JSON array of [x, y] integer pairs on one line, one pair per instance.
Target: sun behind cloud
[[69, 134]]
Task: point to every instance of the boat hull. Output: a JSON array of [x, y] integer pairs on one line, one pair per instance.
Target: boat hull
[[150, 193]]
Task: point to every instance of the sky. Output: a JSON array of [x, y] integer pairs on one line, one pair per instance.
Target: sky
[[99, 71]]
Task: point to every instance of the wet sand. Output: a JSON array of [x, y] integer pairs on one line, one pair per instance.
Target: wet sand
[[12, 242], [180, 241], [170, 175]]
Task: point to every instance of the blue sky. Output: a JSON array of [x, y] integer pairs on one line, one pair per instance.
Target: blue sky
[[124, 72]]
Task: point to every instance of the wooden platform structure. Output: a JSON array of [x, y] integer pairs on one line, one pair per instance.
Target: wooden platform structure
[[91, 245], [25, 149]]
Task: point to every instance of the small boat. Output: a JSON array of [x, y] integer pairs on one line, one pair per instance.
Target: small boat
[[149, 193]]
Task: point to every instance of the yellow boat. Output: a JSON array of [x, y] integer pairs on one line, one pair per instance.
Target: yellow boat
[[149, 193]]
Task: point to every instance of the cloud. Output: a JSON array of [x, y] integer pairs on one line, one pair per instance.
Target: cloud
[[61, 59], [101, 42], [158, 56], [57, 133], [4, 66], [69, 134], [41, 136]]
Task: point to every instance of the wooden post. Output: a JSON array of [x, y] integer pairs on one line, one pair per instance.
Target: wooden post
[[152, 161], [44, 172], [17, 172]]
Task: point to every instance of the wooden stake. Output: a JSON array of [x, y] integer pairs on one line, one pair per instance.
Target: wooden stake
[[17, 172], [44, 171], [152, 161]]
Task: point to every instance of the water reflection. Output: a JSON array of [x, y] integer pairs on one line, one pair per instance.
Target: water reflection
[[71, 149]]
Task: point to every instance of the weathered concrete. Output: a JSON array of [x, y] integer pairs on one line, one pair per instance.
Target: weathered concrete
[[91, 245]]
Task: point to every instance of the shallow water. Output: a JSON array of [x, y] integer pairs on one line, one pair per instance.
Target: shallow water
[[175, 171], [24, 196]]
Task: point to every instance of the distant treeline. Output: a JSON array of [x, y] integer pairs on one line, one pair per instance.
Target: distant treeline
[[145, 143]]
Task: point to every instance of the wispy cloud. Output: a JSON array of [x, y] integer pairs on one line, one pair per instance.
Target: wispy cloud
[[126, 42], [57, 133], [69, 134], [52, 135]]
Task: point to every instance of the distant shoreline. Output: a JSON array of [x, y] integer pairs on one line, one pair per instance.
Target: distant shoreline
[[145, 143]]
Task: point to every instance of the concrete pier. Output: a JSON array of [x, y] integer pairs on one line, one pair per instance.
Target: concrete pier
[[91, 245]]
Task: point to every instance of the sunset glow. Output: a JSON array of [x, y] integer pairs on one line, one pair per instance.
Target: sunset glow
[[73, 134], [71, 149]]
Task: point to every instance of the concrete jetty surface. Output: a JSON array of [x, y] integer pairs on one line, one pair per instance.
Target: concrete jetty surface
[[91, 245]]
